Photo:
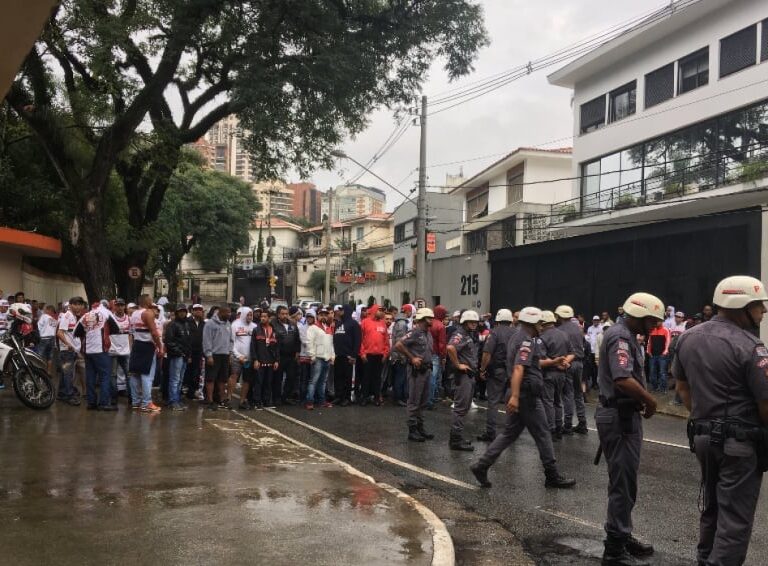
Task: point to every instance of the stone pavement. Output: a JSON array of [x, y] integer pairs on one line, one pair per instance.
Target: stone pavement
[[197, 487]]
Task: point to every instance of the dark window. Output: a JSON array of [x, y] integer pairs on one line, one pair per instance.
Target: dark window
[[659, 85], [738, 51], [593, 114], [508, 231], [764, 49], [623, 102], [398, 267], [476, 241], [515, 184], [693, 71], [400, 232], [477, 203]]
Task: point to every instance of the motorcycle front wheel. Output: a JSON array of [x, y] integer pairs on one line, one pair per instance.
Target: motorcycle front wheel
[[34, 388]]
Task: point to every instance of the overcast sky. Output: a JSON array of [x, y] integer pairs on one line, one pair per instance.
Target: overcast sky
[[527, 112]]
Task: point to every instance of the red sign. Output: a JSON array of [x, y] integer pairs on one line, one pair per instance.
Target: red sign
[[431, 242]]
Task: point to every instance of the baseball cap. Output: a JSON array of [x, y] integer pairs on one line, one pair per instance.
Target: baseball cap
[[293, 310], [595, 317], [680, 313], [338, 308], [322, 309], [77, 300], [456, 314], [4, 303], [119, 301], [197, 306], [312, 313], [180, 307], [131, 305]]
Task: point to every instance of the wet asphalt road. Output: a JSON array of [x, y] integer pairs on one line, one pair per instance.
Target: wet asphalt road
[[555, 527], [199, 487]]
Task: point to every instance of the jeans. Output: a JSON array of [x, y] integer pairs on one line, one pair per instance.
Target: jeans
[[399, 382], [67, 361], [659, 373], [122, 362], [141, 386], [177, 365], [98, 371], [316, 387], [437, 370]]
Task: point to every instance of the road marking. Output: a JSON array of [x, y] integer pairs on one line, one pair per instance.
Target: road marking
[[572, 518], [648, 440], [443, 553], [379, 455]]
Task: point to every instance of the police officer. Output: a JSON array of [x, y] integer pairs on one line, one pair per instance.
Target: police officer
[[623, 399], [573, 396], [416, 346], [525, 408], [557, 345], [721, 371], [462, 351], [495, 355]]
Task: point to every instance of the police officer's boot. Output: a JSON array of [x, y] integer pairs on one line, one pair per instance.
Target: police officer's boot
[[422, 432], [555, 436], [481, 473], [413, 434], [557, 480], [638, 548], [581, 428], [616, 554], [456, 442], [486, 437]]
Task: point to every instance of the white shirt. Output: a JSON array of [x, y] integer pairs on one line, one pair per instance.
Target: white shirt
[[93, 322], [67, 323], [3, 322], [120, 343], [140, 331], [241, 339], [47, 326], [592, 333]]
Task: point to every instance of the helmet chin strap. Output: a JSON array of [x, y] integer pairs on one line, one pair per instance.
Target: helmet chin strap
[[755, 325]]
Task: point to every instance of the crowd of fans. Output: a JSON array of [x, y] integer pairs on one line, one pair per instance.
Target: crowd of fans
[[332, 355]]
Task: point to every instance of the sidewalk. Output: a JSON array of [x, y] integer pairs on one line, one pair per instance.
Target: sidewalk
[[191, 488], [664, 404]]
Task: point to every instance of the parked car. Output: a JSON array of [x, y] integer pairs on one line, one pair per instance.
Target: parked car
[[305, 302], [277, 303]]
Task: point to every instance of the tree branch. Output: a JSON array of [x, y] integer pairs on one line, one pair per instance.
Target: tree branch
[[219, 113]]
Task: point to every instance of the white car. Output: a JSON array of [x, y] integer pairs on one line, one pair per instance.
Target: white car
[[305, 303]]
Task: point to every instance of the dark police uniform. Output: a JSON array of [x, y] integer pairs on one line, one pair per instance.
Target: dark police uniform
[[726, 368], [573, 397], [620, 426], [556, 343], [498, 377], [419, 343], [526, 351], [466, 352]]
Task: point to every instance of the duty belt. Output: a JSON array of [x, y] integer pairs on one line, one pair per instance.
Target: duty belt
[[728, 430], [614, 402]]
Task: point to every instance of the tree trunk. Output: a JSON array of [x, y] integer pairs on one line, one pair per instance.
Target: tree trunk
[[173, 286], [90, 243], [128, 288]]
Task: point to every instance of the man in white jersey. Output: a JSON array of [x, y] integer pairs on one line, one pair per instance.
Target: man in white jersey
[[147, 348], [120, 349], [69, 346], [94, 330], [47, 325]]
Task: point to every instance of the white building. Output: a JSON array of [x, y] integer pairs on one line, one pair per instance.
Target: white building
[[670, 155], [354, 201]]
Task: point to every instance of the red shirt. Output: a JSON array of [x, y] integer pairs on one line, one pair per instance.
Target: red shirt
[[439, 340]]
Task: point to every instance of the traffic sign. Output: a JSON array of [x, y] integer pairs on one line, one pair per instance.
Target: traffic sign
[[134, 272], [247, 263], [420, 304]]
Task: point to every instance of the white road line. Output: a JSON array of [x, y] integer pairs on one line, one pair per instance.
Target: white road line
[[572, 518], [443, 553], [648, 440], [379, 455]]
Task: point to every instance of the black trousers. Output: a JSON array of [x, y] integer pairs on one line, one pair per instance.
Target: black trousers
[[342, 378], [192, 375], [371, 383], [288, 366], [262, 386]]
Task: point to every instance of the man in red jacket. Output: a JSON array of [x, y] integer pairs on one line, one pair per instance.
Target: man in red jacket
[[374, 348], [438, 352]]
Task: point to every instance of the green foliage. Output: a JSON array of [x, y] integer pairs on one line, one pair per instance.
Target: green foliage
[[317, 282], [625, 201], [753, 170]]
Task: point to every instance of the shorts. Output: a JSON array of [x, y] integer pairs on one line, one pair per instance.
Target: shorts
[[219, 371], [45, 348], [236, 367]]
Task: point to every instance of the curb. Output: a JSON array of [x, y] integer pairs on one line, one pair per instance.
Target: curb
[[443, 553]]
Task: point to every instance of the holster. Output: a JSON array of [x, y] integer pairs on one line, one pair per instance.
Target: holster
[[627, 409]]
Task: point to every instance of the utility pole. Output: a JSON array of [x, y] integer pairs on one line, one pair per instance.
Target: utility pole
[[421, 217], [328, 228], [270, 252]]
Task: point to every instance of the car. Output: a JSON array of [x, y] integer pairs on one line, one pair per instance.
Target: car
[[277, 303], [305, 303]]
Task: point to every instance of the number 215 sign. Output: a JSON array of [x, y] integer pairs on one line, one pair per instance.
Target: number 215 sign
[[470, 284]]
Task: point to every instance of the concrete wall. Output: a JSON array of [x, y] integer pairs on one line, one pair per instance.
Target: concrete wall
[[461, 282], [10, 271], [538, 169], [717, 97]]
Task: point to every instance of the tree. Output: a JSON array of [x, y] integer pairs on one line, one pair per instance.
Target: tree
[[205, 213], [260, 246], [99, 87], [317, 283]]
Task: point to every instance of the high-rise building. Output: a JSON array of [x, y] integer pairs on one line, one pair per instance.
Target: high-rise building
[[353, 201], [307, 201], [228, 152], [276, 198]]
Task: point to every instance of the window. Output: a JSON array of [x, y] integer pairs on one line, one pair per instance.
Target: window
[[660, 85], [764, 48], [477, 203], [318, 241], [304, 268], [593, 114], [398, 267], [623, 101], [515, 184], [400, 232], [508, 232], [693, 71], [738, 51], [476, 242], [359, 233]]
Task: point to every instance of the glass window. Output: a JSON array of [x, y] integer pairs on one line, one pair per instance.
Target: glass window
[[476, 241], [655, 168], [632, 171], [764, 41], [590, 185], [477, 204], [738, 51], [398, 267], [400, 232], [622, 101], [359, 232], [610, 179], [509, 231], [693, 71], [593, 114], [660, 85], [515, 185]]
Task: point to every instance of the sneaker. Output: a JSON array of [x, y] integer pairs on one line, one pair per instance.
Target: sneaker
[[135, 407], [327, 405], [309, 406], [211, 406], [178, 407], [151, 408], [402, 403], [259, 406], [244, 406], [74, 401], [225, 405]]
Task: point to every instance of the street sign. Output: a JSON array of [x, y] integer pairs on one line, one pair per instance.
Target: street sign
[[420, 304], [431, 242], [134, 272], [247, 264]]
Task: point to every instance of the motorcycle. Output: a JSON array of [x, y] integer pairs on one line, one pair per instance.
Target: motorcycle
[[27, 371]]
